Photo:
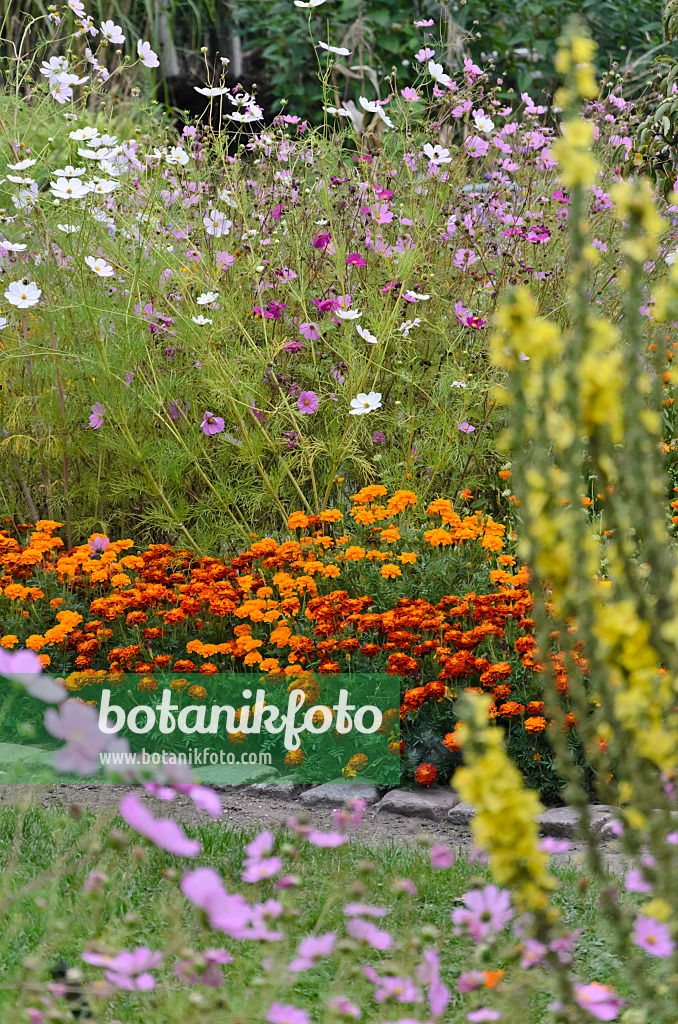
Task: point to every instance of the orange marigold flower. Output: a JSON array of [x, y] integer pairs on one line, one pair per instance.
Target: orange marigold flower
[[328, 668], [197, 692], [510, 709], [208, 669], [35, 642], [350, 644], [407, 557], [400, 501], [331, 515], [390, 534], [55, 602], [535, 723], [370, 650], [390, 571], [9, 641], [297, 521], [147, 684], [396, 748], [179, 684], [330, 571], [502, 691], [136, 618], [354, 553], [437, 537], [369, 493], [451, 741], [535, 707], [184, 665], [426, 774], [270, 665], [504, 473], [414, 698], [294, 757]]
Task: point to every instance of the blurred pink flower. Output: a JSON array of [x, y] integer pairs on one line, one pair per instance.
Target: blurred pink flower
[[127, 970], [601, 1001], [161, 832], [78, 724]]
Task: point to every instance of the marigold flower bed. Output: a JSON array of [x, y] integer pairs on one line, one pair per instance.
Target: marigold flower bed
[[335, 598]]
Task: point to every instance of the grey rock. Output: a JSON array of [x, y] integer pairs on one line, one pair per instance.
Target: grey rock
[[337, 793], [460, 816], [278, 790], [424, 803], [563, 822]]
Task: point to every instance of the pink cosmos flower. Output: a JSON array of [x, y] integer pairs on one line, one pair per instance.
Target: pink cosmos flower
[[465, 427], [429, 974], [470, 980], [551, 845], [127, 970], [464, 258], [354, 259], [409, 95], [654, 937], [311, 949], [308, 402], [25, 668], [476, 147], [441, 857], [78, 724], [97, 417], [309, 331], [224, 259], [424, 24], [211, 424], [161, 832], [601, 1001], [357, 928], [364, 910], [486, 911], [321, 241], [146, 55], [483, 1013], [345, 1007], [326, 840], [424, 54], [285, 1014], [206, 971]]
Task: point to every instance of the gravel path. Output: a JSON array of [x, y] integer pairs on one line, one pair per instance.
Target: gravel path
[[251, 810]]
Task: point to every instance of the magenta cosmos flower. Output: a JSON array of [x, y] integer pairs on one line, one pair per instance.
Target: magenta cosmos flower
[[654, 937], [211, 424], [280, 1013], [486, 911], [127, 970], [161, 832], [308, 402], [309, 331], [601, 1001], [97, 417], [466, 428]]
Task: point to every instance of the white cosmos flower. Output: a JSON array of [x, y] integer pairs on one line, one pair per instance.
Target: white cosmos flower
[[339, 111], [365, 403], [373, 108], [415, 296], [70, 172], [13, 246], [365, 334], [23, 165], [201, 320], [341, 51], [83, 134], [68, 229], [254, 113], [53, 66], [98, 154], [146, 55], [347, 314], [17, 180], [407, 326], [437, 154], [23, 294], [112, 32], [215, 90], [308, 3], [104, 140], [3, 322], [102, 186], [483, 123], [206, 298], [437, 72], [216, 223], [177, 155], [671, 257], [101, 267], [69, 188], [458, 383], [26, 198], [226, 197]]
